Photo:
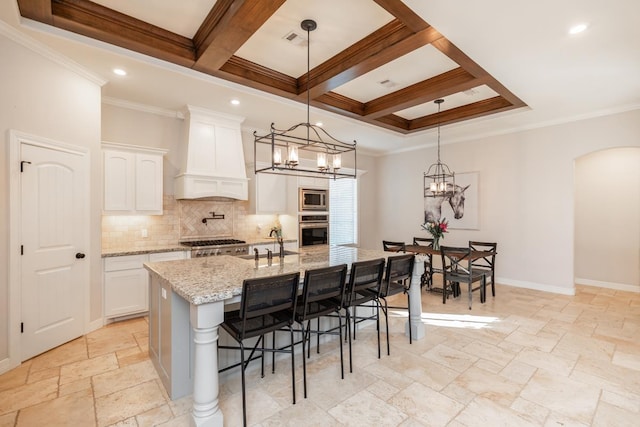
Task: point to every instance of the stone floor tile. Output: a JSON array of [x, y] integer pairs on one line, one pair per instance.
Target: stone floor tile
[[15, 377], [127, 403], [70, 352], [423, 403], [611, 415], [364, 409], [486, 412], [562, 395], [455, 359], [87, 368], [120, 379], [74, 409], [28, 395], [8, 420]]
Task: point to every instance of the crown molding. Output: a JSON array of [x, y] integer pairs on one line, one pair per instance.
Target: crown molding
[[43, 50]]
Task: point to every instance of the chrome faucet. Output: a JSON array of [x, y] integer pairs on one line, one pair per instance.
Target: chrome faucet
[[280, 241]]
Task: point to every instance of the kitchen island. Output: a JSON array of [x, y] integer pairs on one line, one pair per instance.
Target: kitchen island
[[196, 291]]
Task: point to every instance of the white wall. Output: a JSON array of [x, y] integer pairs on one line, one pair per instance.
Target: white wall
[[41, 97], [607, 212], [526, 193]]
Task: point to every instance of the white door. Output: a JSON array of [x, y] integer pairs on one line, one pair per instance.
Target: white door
[[54, 269]]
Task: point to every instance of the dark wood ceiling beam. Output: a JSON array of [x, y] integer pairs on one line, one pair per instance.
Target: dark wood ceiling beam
[[229, 24], [393, 122], [339, 104], [464, 112], [445, 84], [38, 10], [382, 46], [402, 12], [250, 74], [101, 23]]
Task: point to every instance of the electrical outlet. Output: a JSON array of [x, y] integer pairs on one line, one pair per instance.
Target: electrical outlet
[[144, 233]]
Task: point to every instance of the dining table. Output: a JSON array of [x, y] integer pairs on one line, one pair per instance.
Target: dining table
[[430, 250]]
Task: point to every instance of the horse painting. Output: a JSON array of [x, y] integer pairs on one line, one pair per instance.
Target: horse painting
[[433, 205]]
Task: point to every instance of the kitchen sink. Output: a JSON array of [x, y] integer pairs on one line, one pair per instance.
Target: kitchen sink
[[264, 255]]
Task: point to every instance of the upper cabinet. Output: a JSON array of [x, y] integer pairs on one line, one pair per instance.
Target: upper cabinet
[[132, 180], [310, 182], [271, 193]]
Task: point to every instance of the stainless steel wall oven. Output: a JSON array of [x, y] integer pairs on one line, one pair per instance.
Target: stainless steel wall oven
[[314, 229]]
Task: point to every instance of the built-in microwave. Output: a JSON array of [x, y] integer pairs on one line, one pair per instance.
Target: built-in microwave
[[313, 199]]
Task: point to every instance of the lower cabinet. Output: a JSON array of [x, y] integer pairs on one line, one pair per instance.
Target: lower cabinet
[[170, 339], [126, 283]]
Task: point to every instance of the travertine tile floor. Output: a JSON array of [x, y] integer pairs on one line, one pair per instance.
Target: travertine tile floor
[[524, 358]]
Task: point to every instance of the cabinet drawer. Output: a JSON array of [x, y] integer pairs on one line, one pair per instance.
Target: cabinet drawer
[[127, 262], [167, 256]]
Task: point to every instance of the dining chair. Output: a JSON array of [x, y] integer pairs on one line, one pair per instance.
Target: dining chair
[[389, 246], [322, 296], [397, 280], [457, 268], [363, 290], [427, 276], [267, 305], [488, 263]]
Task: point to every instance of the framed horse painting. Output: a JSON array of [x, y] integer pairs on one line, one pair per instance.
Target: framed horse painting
[[459, 207]]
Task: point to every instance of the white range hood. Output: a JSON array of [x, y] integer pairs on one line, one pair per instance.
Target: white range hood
[[213, 160]]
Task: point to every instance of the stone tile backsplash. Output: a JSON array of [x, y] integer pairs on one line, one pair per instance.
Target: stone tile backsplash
[[182, 219]]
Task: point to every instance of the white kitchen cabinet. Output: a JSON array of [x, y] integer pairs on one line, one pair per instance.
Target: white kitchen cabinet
[[310, 182], [132, 179], [126, 282], [269, 194]]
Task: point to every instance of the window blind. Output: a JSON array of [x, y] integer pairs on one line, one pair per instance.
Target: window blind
[[343, 211]]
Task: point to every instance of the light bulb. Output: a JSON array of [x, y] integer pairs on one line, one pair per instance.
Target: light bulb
[[337, 161], [433, 187], [322, 161], [277, 156], [293, 155]]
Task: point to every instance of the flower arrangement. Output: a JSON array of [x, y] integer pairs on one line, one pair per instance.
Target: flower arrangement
[[437, 230]]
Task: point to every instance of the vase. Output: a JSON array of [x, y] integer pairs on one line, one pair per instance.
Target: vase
[[436, 243]]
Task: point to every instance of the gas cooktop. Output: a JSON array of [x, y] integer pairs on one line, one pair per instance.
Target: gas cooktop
[[212, 242]]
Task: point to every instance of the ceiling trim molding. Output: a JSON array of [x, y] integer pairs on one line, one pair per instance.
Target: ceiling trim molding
[[46, 52], [144, 108]]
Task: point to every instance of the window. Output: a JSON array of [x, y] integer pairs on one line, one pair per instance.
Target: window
[[343, 211]]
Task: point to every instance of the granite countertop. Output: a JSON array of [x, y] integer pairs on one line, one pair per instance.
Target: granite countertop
[[147, 249], [210, 279], [151, 248]]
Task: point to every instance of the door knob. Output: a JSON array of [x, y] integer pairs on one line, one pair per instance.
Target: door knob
[[80, 255]]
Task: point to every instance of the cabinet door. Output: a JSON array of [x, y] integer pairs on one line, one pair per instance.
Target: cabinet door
[[126, 292], [119, 180], [271, 193], [148, 187]]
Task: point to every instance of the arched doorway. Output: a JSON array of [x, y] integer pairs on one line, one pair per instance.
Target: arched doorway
[[607, 219]]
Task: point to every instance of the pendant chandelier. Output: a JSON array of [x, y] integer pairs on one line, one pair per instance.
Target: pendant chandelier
[[303, 149], [439, 181]]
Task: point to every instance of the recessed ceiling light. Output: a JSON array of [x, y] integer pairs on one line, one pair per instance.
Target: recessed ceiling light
[[119, 71], [235, 102], [319, 124], [576, 29]]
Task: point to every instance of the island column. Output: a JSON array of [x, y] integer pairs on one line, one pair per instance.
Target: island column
[[205, 320]]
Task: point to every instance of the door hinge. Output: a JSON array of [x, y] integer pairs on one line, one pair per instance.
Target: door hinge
[[22, 165], [21, 249], [22, 327]]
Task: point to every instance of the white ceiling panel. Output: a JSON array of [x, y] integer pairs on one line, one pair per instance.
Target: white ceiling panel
[[181, 17], [269, 47], [411, 68], [456, 100]]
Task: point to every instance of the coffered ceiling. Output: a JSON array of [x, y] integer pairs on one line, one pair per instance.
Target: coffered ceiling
[[376, 61]]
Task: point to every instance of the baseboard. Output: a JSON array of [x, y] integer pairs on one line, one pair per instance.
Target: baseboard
[[536, 286], [609, 285], [7, 364], [95, 325]]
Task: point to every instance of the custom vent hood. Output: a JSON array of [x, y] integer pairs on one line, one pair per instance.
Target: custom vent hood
[[213, 158]]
